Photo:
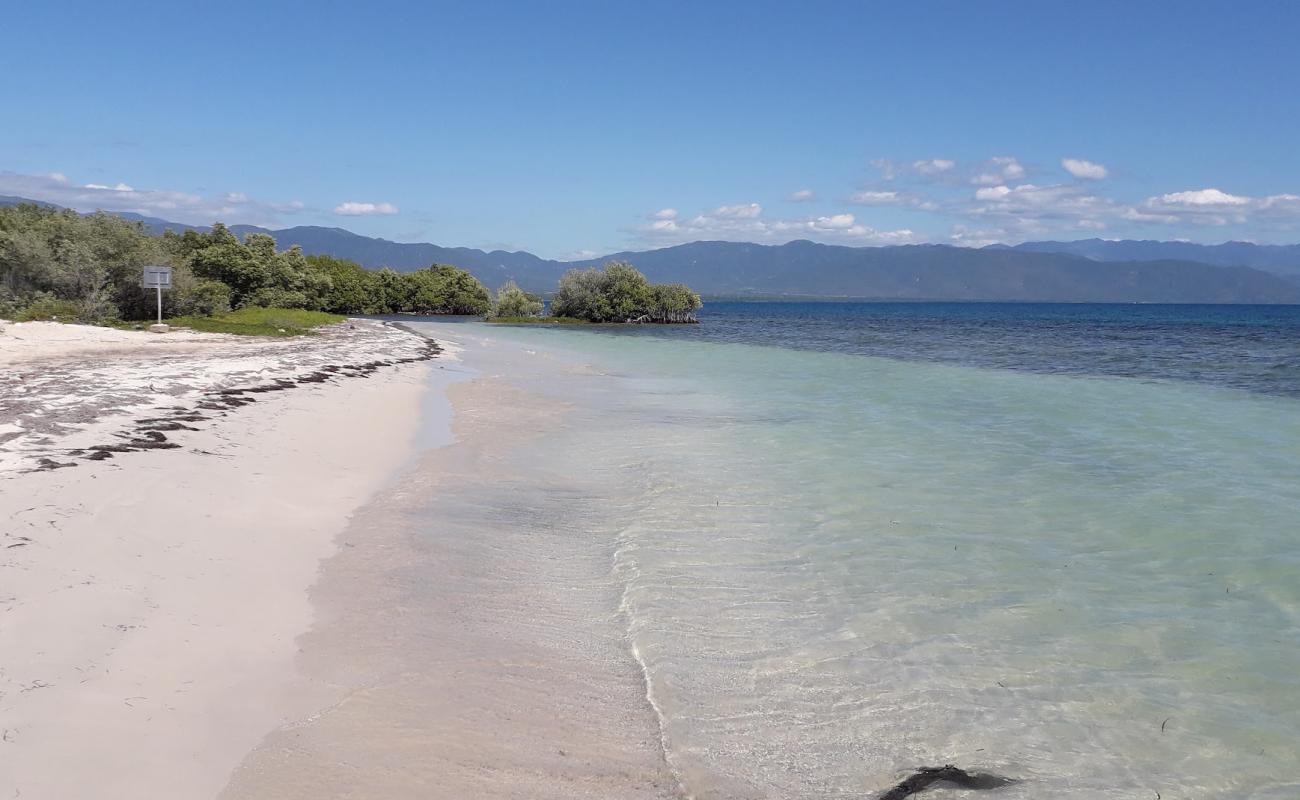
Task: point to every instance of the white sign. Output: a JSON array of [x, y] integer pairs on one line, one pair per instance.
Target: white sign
[[157, 278]]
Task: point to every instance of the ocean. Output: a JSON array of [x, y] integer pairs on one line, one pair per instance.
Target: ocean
[[1059, 543]]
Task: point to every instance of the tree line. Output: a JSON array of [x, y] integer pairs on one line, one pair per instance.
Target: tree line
[[58, 263]]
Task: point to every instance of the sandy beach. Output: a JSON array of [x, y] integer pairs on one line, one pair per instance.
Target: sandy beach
[[165, 502]]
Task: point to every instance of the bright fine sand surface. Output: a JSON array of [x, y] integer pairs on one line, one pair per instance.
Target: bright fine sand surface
[[150, 597]]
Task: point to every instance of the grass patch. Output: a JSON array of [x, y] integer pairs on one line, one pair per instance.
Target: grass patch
[[258, 322], [538, 321]]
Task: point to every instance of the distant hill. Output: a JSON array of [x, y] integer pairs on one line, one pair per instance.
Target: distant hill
[[493, 268], [1283, 259], [804, 268], [1035, 271]]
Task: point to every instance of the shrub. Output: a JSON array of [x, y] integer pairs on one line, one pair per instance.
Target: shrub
[[619, 293], [200, 298], [442, 289], [581, 295], [515, 302], [48, 307], [268, 297]]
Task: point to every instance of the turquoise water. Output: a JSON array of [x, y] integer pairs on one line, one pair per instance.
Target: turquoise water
[[838, 567]]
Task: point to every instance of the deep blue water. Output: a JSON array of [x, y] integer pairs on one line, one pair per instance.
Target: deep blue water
[[1253, 348]]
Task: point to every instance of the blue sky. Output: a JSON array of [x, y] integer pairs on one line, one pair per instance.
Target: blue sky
[[584, 128]]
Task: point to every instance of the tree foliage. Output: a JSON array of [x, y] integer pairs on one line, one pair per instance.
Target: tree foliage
[[58, 263], [61, 263], [511, 301], [620, 293]]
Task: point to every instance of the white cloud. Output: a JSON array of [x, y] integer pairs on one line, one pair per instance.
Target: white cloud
[[745, 222], [1204, 197], [740, 211], [992, 193], [236, 198], [1084, 170], [874, 198], [355, 209], [801, 196], [1008, 167], [185, 207], [1215, 207], [665, 213], [933, 166], [927, 169], [1033, 211], [998, 170]]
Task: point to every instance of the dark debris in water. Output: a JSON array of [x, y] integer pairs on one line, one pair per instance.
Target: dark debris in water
[[924, 777]]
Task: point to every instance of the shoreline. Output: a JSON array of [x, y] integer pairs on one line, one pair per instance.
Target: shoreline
[[152, 603], [455, 654]]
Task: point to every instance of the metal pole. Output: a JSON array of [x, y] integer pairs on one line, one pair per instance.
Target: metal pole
[[159, 290]]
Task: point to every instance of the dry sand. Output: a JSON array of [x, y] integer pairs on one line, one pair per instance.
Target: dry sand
[[149, 602]]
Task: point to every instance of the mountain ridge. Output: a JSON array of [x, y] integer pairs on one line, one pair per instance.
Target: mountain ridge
[[1083, 271]]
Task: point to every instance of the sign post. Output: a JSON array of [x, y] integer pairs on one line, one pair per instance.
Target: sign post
[[157, 278]]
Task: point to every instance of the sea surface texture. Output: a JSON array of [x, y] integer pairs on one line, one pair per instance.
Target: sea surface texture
[[1057, 543]]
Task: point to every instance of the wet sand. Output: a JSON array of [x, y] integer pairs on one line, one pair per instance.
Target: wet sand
[[464, 655]]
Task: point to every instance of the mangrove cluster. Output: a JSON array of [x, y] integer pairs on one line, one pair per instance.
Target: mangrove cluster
[[620, 293]]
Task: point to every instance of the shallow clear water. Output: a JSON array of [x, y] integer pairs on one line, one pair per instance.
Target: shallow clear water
[[837, 567]]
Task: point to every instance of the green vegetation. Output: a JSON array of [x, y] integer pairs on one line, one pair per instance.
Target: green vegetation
[[619, 293], [58, 264], [514, 303], [253, 321]]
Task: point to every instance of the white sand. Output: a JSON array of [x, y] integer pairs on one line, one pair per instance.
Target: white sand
[[44, 341], [149, 603]]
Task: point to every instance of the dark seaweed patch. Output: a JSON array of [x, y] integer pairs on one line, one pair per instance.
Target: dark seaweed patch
[[921, 780]]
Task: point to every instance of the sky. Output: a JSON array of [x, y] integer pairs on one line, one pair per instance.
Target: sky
[[576, 129]]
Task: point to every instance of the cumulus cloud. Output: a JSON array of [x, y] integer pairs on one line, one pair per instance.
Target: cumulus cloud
[[993, 193], [932, 166], [874, 198], [353, 208], [746, 222], [740, 211], [1215, 207], [801, 196], [1204, 197], [1030, 210], [926, 169], [998, 170], [186, 207], [664, 213], [1008, 167], [1084, 170]]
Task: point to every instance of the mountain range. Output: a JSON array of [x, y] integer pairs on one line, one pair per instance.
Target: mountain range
[[1092, 270]]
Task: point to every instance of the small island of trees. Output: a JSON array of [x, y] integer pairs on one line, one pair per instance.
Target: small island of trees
[[618, 292]]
